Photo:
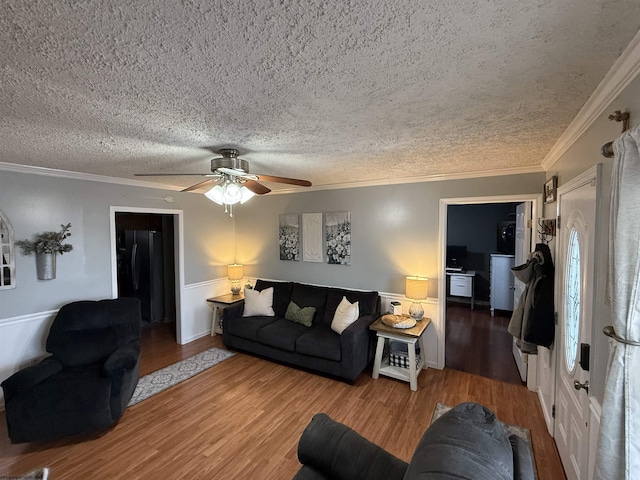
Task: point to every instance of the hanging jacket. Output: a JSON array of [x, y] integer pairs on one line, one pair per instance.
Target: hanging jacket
[[533, 320]]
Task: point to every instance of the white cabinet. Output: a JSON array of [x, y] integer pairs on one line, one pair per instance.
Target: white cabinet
[[502, 282], [461, 284]]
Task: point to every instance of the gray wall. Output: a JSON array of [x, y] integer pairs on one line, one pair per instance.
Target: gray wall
[[394, 230], [582, 155], [35, 203]]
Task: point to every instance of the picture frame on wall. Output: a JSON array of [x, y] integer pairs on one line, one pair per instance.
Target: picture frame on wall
[[550, 189], [289, 237], [338, 237]]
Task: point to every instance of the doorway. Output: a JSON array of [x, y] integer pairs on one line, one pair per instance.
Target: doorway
[[481, 244], [444, 289], [158, 236], [146, 264]]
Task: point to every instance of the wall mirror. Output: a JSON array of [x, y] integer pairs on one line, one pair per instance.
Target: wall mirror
[[7, 257]]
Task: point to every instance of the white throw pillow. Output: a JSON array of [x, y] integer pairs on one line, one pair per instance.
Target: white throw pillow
[[258, 304], [345, 315]]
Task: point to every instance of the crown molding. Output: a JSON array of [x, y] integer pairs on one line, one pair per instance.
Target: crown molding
[[625, 69], [53, 172], [420, 179]]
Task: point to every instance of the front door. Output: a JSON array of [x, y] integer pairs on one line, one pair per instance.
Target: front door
[[574, 304]]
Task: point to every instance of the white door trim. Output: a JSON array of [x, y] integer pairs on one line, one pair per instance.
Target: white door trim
[[536, 209], [179, 255]]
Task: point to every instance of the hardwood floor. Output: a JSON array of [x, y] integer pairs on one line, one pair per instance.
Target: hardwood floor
[[243, 417], [478, 343]]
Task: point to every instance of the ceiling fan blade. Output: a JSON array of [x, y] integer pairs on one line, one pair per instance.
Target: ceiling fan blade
[[174, 174], [256, 188], [198, 185], [290, 181]]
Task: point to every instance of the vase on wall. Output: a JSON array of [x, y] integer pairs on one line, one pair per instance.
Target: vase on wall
[[46, 266]]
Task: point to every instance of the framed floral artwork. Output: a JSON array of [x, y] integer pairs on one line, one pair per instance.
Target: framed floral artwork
[[289, 237], [337, 230]]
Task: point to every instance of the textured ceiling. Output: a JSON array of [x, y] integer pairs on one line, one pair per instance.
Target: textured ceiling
[[332, 91]]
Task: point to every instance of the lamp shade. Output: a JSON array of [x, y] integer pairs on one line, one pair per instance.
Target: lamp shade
[[234, 272], [417, 288]]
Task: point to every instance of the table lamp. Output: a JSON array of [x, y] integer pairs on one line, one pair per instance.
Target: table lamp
[[416, 289], [235, 274]]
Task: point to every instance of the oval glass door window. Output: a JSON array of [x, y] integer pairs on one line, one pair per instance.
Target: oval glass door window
[[572, 295]]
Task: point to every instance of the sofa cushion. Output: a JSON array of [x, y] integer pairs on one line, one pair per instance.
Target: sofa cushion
[[467, 442], [345, 315], [367, 302], [296, 314], [310, 296], [248, 327], [281, 294], [258, 303], [281, 334], [322, 342]]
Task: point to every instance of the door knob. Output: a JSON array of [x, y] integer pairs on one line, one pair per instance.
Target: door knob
[[577, 385]]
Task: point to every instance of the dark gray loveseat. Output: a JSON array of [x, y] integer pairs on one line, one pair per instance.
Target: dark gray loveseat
[[466, 443], [316, 348]]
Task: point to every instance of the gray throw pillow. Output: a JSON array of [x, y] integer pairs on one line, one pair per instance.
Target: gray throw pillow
[[303, 315]]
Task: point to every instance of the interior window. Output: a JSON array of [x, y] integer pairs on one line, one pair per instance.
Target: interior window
[[572, 300]]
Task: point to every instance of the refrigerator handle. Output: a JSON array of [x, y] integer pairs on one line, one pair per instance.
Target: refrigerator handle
[[134, 269]]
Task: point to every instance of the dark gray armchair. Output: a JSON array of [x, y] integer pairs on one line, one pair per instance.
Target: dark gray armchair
[[87, 382]]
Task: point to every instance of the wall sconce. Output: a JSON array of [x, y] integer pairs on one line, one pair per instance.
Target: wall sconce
[[235, 274], [416, 289]]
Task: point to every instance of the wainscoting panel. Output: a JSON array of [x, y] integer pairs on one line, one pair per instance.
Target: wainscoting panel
[[22, 342], [195, 311]]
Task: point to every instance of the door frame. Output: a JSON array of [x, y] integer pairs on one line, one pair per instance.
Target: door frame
[[536, 209], [178, 233]]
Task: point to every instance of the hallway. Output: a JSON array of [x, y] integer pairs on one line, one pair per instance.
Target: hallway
[[478, 343]]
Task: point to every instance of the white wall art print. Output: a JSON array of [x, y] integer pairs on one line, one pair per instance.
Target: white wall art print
[[312, 237], [289, 237], [337, 228]]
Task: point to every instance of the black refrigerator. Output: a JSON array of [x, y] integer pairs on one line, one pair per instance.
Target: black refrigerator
[[141, 271]]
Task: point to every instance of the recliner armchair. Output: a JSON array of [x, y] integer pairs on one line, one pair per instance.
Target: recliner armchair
[[87, 382]]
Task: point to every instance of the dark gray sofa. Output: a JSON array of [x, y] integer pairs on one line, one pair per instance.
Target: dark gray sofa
[[317, 348], [468, 442]]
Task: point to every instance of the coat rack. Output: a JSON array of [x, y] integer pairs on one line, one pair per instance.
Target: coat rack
[[547, 229], [618, 116]]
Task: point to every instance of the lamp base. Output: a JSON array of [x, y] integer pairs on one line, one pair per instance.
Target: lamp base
[[235, 287], [416, 311]]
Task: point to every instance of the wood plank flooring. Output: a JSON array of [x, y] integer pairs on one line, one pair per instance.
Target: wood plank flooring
[[478, 343], [243, 417]]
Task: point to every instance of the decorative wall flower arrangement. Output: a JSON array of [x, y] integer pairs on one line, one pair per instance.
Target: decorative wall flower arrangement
[[47, 242]]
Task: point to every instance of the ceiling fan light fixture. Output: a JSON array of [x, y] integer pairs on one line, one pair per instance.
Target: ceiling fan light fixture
[[246, 194], [216, 195], [232, 193]]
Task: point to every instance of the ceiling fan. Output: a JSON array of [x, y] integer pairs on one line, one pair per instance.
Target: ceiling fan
[[234, 182]]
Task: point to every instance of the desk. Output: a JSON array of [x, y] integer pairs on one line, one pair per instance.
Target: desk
[[221, 302], [462, 284], [409, 336]]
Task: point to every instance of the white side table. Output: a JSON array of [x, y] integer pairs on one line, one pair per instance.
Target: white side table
[[410, 337], [221, 302]]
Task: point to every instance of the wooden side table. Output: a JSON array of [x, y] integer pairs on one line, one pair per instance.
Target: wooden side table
[[219, 303], [410, 337]]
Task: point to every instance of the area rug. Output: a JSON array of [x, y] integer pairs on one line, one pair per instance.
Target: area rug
[[523, 433], [167, 377]]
